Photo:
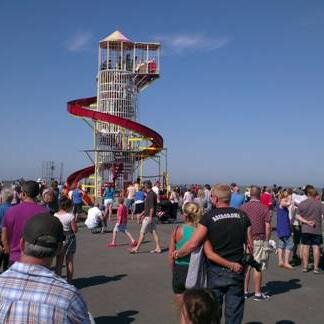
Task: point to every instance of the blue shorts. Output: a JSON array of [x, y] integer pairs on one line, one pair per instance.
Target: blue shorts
[[120, 228], [286, 243]]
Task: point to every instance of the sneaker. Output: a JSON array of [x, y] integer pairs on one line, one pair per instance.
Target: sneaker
[[261, 297], [316, 271], [246, 295]]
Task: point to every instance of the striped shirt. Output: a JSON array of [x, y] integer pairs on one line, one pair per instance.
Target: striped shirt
[[34, 294]]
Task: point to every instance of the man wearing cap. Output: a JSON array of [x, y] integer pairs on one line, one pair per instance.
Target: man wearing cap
[[16, 217], [29, 291]]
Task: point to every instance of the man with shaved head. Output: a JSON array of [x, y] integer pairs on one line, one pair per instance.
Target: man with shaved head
[[260, 218]]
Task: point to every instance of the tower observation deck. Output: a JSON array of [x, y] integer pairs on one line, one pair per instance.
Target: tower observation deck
[[120, 143]]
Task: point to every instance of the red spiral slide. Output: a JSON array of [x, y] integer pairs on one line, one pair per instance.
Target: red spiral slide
[[80, 108]]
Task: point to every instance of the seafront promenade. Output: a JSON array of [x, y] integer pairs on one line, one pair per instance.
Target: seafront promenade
[[124, 288]]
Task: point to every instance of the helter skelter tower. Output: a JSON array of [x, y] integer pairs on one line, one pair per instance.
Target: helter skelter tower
[[120, 143]]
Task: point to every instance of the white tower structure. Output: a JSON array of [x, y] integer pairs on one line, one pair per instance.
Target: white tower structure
[[124, 69]]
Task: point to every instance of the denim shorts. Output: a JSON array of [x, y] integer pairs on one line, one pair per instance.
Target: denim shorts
[[286, 243]]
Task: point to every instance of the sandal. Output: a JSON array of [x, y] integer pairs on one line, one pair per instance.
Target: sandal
[[305, 270], [316, 271], [156, 251]]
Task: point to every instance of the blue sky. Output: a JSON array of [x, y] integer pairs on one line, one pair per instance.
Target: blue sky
[[240, 98]]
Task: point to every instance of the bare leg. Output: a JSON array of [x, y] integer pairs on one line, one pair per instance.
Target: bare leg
[[113, 241], [69, 268], [280, 258], [157, 241], [305, 256], [179, 302], [129, 235], [317, 255], [257, 277], [247, 279], [109, 212], [140, 241], [286, 260]]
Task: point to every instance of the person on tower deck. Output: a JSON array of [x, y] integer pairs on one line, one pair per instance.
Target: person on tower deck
[[260, 218], [16, 218], [149, 219], [237, 200], [29, 290]]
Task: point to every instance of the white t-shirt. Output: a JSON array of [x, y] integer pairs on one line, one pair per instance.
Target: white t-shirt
[[187, 197], [157, 191], [296, 200], [130, 192], [66, 220], [93, 218]]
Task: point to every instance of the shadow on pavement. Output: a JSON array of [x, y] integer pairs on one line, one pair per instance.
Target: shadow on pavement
[[281, 287], [95, 280], [279, 322], [121, 318]]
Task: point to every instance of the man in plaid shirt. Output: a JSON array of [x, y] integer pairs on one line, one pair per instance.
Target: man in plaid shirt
[[29, 291]]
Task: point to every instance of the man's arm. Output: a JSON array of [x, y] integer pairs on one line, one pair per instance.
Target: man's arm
[[197, 238], [172, 247], [249, 240], [305, 221], [267, 231]]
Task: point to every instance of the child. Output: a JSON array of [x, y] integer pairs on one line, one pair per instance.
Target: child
[[199, 307], [286, 243], [192, 212], [121, 224]]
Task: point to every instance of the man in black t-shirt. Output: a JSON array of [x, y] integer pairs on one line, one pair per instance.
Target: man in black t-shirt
[[226, 231]]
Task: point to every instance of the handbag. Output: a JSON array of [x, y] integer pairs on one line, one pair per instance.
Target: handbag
[[197, 270]]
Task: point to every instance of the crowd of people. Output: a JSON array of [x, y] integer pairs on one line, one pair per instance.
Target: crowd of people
[[232, 229]]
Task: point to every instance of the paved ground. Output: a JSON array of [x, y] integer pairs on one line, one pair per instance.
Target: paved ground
[[123, 288]]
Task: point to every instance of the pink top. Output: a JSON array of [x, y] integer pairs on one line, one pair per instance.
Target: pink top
[[122, 214], [14, 222]]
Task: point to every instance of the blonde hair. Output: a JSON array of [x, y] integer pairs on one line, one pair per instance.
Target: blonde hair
[[222, 192], [201, 194], [193, 212], [283, 195]]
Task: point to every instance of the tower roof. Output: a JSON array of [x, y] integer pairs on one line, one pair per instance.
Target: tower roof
[[116, 36]]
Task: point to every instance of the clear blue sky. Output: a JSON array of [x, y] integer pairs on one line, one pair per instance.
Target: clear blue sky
[[240, 98]]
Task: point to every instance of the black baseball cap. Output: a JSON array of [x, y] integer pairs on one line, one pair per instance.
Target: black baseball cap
[[44, 230]]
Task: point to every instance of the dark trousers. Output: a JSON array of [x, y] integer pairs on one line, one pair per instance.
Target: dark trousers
[[228, 284], [4, 260], [296, 237]]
